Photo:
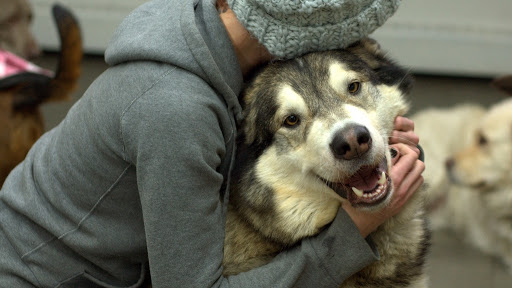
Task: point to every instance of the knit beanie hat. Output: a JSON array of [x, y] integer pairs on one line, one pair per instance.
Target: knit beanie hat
[[295, 27]]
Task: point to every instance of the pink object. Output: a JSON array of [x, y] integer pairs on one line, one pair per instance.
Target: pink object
[[11, 64]]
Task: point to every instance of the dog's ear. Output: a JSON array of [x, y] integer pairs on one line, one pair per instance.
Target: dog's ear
[[386, 70], [503, 84], [369, 51], [256, 110]]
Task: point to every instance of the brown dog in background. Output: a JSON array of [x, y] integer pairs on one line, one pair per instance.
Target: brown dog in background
[[15, 34], [21, 122]]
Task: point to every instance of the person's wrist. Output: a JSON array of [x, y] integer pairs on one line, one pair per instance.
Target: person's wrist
[[364, 222]]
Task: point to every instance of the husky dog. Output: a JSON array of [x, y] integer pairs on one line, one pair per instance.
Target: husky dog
[[315, 135], [469, 171]]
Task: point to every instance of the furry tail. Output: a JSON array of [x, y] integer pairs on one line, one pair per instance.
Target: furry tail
[[69, 68]]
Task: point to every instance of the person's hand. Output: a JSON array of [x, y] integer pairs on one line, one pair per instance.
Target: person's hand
[[405, 176], [406, 179], [407, 169], [404, 133]]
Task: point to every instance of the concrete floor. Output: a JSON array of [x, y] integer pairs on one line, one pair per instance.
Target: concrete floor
[[451, 262]]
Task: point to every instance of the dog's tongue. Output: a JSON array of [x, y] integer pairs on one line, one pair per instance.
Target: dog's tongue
[[365, 179]]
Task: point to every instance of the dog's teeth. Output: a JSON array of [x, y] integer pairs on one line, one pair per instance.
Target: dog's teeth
[[382, 179], [358, 192]]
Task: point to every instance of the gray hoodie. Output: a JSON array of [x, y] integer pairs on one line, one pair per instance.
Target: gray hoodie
[[133, 175]]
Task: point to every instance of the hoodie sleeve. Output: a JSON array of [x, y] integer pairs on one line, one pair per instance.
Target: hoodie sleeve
[[325, 260], [176, 137]]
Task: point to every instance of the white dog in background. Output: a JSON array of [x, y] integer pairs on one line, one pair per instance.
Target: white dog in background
[[468, 152]]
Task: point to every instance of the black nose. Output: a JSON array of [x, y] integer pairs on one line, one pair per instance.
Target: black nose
[[351, 142], [449, 163]]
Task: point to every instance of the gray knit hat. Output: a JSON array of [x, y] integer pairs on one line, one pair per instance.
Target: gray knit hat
[[295, 27]]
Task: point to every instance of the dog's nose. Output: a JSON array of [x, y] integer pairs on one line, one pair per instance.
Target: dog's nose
[[449, 163], [351, 142]]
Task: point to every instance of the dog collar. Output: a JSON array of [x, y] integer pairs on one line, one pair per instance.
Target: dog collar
[[14, 70]]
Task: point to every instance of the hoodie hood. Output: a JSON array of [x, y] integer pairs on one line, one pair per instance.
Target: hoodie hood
[[184, 33]]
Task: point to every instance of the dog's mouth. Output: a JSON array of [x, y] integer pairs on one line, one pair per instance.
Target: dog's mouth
[[369, 186]]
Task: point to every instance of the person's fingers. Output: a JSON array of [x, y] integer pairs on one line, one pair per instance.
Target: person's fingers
[[400, 200], [403, 132], [406, 137], [412, 179], [405, 189], [404, 163], [416, 185], [403, 124]]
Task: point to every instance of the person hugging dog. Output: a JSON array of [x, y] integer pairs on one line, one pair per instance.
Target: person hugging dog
[[134, 180]]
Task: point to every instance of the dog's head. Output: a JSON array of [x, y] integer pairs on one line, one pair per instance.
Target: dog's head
[[487, 163], [15, 31], [317, 128]]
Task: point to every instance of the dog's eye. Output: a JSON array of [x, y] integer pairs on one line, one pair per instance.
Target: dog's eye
[[291, 121], [354, 87], [482, 141]]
